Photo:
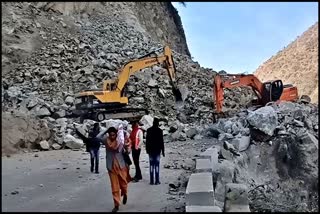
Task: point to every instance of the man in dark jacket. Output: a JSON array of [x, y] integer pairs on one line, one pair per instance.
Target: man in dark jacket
[[154, 147], [93, 143]]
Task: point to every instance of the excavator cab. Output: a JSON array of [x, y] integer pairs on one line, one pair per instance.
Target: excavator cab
[[272, 91], [109, 85]]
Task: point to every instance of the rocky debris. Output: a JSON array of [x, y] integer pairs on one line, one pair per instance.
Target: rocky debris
[[241, 143], [44, 145], [69, 100], [56, 146], [191, 133], [236, 198], [72, 143], [265, 119], [275, 150], [22, 131]]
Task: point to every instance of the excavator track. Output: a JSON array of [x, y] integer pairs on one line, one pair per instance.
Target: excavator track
[[130, 114]]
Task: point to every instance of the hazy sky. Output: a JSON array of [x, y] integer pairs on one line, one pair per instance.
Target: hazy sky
[[239, 36]]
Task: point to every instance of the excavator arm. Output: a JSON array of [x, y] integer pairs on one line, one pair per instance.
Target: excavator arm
[[231, 81], [111, 99], [266, 92], [136, 65]]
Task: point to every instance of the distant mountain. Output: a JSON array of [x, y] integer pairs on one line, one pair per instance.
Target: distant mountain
[[296, 64]]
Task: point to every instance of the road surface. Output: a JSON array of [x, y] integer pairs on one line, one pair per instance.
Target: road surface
[[61, 181]]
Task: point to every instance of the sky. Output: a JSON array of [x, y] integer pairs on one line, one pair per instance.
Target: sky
[[239, 36]]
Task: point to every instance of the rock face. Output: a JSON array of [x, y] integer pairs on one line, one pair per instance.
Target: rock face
[[22, 131], [296, 64]]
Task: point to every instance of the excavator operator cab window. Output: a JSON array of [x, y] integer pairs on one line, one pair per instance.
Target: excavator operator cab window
[[276, 90], [267, 86]]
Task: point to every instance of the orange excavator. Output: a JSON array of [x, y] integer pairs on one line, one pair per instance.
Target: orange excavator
[[270, 91]]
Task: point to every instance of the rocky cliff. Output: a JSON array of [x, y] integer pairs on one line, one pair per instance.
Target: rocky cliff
[[296, 64]]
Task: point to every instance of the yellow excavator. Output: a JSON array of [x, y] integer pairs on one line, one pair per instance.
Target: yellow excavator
[[111, 102]]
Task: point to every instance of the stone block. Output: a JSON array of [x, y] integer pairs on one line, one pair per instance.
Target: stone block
[[203, 165], [241, 143], [199, 190], [203, 209]]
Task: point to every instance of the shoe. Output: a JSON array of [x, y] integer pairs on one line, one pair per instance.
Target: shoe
[[96, 172], [125, 198], [157, 183], [135, 180], [115, 209], [151, 183]]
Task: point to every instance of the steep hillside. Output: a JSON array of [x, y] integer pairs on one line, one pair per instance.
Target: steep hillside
[[296, 64]]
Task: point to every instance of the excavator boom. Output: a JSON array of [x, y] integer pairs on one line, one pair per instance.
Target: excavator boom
[[266, 92], [113, 96]]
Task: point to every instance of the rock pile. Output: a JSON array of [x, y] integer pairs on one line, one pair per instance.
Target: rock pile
[[76, 53], [274, 147]]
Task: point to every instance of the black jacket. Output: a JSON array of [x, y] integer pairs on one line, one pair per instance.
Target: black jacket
[[154, 141], [92, 142]]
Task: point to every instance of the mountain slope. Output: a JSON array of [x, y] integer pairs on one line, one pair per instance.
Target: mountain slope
[[296, 64]]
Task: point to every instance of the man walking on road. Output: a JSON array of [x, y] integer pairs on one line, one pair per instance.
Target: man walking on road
[[136, 138], [117, 169], [93, 142], [154, 147]]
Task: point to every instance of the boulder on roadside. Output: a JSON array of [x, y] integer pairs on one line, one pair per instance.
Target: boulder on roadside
[[72, 143], [56, 146], [44, 145], [264, 119]]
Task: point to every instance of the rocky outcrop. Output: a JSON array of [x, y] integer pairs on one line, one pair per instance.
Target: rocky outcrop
[[296, 64]]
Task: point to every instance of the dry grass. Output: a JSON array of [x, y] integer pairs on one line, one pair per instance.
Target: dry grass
[[296, 64]]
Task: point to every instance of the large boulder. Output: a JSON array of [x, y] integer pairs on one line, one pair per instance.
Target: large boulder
[[264, 119], [241, 143], [22, 131], [44, 145], [304, 154], [72, 142]]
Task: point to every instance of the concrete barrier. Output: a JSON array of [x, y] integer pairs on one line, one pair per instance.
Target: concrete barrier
[[203, 165], [207, 154], [190, 209], [236, 198], [200, 190]]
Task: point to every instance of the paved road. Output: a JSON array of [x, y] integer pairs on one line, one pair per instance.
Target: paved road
[[61, 181]]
